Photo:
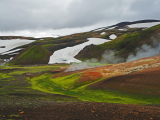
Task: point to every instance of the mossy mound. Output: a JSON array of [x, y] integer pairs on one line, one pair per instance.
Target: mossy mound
[[32, 55]]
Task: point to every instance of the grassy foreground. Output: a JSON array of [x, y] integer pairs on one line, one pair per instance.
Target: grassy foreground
[[43, 85]]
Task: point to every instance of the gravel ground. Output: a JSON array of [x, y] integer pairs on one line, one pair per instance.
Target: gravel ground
[[50, 110]]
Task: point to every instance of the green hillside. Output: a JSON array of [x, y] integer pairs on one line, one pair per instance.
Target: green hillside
[[123, 45], [32, 55]]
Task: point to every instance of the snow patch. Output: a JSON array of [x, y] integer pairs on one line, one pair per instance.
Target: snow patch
[[139, 25], [122, 29], [103, 33], [113, 36], [14, 53], [4, 53], [67, 54], [11, 44]]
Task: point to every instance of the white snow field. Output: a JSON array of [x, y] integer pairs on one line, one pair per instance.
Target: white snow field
[[151, 24], [67, 54], [10, 44], [103, 33], [113, 36]]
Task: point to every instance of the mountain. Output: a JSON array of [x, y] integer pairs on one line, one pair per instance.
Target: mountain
[[124, 24], [125, 38], [123, 45]]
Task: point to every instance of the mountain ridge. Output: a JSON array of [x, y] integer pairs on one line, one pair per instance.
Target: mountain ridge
[[122, 24], [54, 44]]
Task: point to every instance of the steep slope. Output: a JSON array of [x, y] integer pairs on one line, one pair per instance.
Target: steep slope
[[32, 55], [123, 45]]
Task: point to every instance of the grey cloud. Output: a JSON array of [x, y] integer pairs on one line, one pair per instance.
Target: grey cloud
[[59, 14], [146, 9]]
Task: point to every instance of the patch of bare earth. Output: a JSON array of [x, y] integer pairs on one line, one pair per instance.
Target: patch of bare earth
[[52, 110], [89, 76], [83, 111]]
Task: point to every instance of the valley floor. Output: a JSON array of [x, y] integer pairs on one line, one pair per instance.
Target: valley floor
[[46, 92]]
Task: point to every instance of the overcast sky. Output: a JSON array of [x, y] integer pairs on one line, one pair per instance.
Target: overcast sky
[[47, 17]]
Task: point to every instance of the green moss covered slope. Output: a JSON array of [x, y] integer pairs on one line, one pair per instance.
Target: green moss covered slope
[[32, 55]]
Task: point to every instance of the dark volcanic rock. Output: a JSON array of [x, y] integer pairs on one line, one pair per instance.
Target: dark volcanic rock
[[2, 46]]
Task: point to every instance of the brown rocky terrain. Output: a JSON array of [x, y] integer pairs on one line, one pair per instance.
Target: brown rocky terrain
[[140, 76], [82, 111], [146, 81], [127, 67]]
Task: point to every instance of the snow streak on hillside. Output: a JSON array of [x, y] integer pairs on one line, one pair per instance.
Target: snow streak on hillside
[[66, 55], [11, 44]]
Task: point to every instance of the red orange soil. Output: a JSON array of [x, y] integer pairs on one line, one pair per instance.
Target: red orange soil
[[89, 76], [146, 81], [112, 70], [121, 68], [83, 111]]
